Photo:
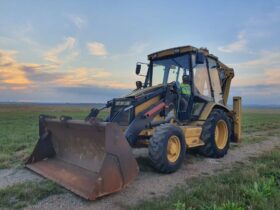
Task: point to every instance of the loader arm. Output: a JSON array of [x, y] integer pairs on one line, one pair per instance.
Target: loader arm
[[168, 100]]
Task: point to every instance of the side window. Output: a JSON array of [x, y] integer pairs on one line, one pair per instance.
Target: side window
[[201, 80], [215, 80], [158, 74], [180, 75], [176, 74], [173, 73]]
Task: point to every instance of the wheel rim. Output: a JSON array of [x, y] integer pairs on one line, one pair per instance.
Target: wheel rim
[[221, 134], [173, 149]]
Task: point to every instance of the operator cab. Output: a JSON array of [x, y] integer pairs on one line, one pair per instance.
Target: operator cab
[[168, 67]]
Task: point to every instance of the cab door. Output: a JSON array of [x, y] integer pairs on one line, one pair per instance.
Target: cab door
[[202, 89], [215, 80]]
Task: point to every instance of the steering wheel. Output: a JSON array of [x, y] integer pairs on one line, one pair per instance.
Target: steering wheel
[[174, 86]]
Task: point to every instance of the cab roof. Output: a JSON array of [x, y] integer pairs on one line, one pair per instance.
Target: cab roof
[[186, 49], [179, 50]]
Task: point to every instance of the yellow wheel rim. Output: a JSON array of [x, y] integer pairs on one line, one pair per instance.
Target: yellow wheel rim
[[173, 149], [221, 134]]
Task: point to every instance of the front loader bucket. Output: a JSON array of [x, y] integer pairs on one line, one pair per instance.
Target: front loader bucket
[[91, 159]]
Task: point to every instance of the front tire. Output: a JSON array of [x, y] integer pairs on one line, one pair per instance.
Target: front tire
[[216, 134], [167, 148]]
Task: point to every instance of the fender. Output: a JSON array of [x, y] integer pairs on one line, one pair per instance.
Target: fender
[[209, 107]]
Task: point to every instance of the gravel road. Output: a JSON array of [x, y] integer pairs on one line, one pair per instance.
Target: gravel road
[[150, 184]]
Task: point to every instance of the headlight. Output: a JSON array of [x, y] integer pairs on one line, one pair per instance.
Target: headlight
[[122, 103]]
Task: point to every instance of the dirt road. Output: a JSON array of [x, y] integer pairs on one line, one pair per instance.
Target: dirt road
[[148, 184], [15, 176]]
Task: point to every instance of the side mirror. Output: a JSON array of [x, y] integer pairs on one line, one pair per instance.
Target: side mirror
[[138, 84], [199, 58], [138, 69]]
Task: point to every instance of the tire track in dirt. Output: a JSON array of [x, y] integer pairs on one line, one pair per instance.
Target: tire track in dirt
[[150, 184], [12, 176]]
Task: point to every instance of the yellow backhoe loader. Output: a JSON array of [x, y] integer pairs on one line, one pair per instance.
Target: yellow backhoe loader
[[93, 158]]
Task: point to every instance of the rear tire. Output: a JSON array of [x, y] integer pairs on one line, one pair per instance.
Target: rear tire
[[167, 148], [216, 134]]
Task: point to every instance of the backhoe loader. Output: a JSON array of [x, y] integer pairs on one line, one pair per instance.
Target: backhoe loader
[[93, 157]]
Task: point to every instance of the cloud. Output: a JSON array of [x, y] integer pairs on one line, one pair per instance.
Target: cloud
[[90, 76], [263, 94], [258, 80], [34, 82], [255, 33], [7, 58], [264, 69], [10, 71], [78, 21], [264, 60], [16, 75], [19, 36], [247, 80], [90, 93], [19, 81], [237, 46], [67, 45], [259, 90], [273, 76], [97, 48], [19, 76], [40, 75]]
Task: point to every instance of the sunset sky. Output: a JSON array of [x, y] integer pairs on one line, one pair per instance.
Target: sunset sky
[[85, 51]]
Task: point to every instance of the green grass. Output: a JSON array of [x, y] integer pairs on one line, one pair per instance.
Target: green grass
[[21, 195], [19, 126], [253, 186], [19, 129], [260, 119]]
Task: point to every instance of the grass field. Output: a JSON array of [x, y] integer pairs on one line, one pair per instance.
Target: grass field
[[19, 129], [260, 119], [21, 195], [255, 186], [19, 126]]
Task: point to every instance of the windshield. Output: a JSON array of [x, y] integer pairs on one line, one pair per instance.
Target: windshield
[[170, 69]]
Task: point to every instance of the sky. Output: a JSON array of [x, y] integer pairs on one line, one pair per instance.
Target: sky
[[85, 51]]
